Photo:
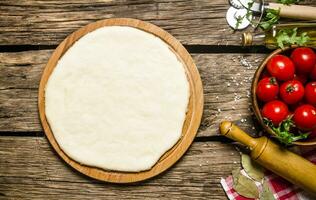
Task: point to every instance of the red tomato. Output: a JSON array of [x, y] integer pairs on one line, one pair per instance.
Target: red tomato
[[276, 111], [310, 93], [305, 117], [301, 78], [281, 67], [313, 73], [267, 89], [304, 59], [292, 92]]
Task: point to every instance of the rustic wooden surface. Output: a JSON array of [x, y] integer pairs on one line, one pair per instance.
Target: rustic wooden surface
[[45, 175], [31, 29], [200, 22]]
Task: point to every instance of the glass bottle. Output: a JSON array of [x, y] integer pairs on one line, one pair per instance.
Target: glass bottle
[[268, 38]]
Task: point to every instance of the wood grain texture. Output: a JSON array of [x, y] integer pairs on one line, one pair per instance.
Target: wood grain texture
[[20, 73], [32, 22], [30, 169], [49, 22], [193, 114]]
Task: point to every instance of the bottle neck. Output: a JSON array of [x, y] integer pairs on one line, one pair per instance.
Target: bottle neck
[[249, 39]]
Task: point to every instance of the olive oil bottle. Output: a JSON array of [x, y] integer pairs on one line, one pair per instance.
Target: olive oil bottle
[[269, 38]]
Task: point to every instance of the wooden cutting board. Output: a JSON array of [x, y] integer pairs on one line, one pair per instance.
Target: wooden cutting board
[[193, 116]]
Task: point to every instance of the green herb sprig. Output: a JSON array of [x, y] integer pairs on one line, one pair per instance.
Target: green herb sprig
[[249, 12], [283, 133], [247, 16], [288, 2], [271, 17], [238, 21], [290, 37]]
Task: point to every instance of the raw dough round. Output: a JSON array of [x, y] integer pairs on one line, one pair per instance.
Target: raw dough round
[[117, 99]]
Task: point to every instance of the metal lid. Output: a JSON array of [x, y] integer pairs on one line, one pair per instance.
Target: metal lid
[[247, 39]]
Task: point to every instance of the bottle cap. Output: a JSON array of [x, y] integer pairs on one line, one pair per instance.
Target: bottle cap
[[246, 39]]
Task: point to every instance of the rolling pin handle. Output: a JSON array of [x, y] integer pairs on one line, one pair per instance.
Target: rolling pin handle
[[231, 131], [225, 127]]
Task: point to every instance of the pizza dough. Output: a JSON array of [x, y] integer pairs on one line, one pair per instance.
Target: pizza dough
[[117, 99]]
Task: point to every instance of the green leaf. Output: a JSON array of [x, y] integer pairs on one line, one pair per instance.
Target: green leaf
[[254, 170], [238, 21], [288, 2], [244, 186], [249, 12], [271, 17], [290, 37], [283, 131], [266, 193]]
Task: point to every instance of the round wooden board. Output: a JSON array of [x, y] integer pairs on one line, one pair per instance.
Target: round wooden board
[[193, 116]]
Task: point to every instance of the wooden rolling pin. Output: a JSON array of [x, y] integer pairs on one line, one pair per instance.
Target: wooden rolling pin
[[286, 164]]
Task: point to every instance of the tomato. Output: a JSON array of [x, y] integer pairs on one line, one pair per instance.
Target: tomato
[[304, 59], [305, 117], [310, 93], [313, 73], [276, 111], [292, 92], [281, 67], [301, 78], [267, 89]]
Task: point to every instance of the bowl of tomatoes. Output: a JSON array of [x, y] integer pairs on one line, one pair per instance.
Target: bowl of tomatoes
[[284, 95]]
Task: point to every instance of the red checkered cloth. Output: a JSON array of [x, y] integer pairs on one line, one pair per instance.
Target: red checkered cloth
[[281, 189]]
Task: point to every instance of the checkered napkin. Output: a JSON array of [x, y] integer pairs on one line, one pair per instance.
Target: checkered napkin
[[281, 189]]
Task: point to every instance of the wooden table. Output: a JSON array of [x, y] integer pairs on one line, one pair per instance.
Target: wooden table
[[31, 30]]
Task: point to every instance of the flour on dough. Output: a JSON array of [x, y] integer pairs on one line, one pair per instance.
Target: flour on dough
[[117, 99]]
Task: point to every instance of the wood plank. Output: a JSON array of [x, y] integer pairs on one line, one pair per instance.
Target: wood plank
[[49, 22], [20, 73], [30, 169]]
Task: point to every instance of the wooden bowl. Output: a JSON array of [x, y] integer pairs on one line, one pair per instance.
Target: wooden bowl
[[254, 100], [193, 115]]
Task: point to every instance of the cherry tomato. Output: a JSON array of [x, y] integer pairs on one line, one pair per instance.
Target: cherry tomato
[[304, 59], [281, 67], [305, 117], [313, 73], [310, 93], [267, 89], [301, 78], [276, 111], [292, 92]]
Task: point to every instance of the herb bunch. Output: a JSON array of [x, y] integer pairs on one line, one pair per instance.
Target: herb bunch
[[290, 37], [283, 132], [272, 17]]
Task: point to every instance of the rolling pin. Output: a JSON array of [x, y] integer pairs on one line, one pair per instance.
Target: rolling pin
[[275, 158]]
